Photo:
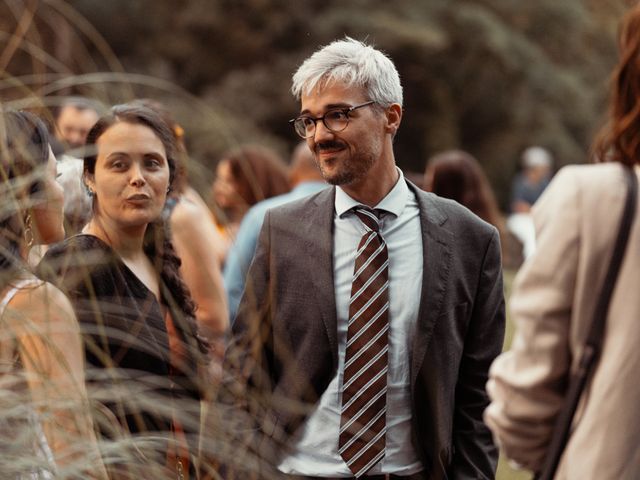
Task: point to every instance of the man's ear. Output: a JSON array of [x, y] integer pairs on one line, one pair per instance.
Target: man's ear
[[394, 117]]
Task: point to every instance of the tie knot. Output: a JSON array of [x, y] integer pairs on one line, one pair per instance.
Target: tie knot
[[369, 217]]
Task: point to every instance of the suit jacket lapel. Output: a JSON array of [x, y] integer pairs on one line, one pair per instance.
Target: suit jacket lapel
[[317, 230], [319, 238], [437, 251]]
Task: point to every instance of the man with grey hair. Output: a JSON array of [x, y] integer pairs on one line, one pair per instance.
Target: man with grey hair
[[372, 310]]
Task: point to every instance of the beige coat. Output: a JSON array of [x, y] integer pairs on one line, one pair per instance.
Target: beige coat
[[554, 296]]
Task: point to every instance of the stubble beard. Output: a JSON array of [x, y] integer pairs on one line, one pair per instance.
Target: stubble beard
[[350, 171]]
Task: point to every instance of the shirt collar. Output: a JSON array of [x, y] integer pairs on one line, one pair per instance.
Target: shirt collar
[[393, 203]]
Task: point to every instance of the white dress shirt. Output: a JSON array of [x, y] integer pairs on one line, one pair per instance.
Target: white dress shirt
[[314, 446]]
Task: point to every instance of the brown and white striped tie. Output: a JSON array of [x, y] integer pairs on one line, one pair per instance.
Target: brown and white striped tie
[[364, 384]]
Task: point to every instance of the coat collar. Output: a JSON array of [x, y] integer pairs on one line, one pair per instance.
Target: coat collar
[[437, 257], [437, 244]]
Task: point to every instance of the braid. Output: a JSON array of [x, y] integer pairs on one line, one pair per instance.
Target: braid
[[174, 292]]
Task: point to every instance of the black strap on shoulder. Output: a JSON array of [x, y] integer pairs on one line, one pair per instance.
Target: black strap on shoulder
[[602, 307], [593, 344]]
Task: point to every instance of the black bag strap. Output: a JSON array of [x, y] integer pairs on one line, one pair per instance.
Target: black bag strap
[[591, 351]]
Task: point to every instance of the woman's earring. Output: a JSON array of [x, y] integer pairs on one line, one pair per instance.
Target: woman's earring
[[28, 231]]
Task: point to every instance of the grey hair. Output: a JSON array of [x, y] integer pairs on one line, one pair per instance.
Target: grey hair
[[353, 63]]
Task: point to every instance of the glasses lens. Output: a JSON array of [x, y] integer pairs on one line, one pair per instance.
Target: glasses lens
[[336, 120], [304, 126]]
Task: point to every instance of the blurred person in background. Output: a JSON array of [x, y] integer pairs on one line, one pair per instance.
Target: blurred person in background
[[528, 185], [245, 176], [44, 413], [121, 274], [555, 294], [457, 175], [305, 178], [72, 121], [77, 202]]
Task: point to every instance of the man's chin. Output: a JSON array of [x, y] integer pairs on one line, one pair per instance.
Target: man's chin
[[337, 178]]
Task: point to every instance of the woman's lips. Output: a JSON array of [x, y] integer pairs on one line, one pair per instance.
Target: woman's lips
[[139, 196], [138, 199]]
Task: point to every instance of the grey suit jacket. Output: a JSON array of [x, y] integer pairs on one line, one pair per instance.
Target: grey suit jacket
[[285, 334]]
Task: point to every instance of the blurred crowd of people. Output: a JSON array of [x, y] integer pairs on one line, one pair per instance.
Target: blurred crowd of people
[[328, 315]]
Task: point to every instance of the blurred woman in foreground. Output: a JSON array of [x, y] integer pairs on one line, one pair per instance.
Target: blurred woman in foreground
[[44, 414], [122, 277], [555, 295]]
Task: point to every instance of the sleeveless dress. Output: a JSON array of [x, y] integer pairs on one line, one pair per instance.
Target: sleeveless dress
[[127, 350], [24, 451]]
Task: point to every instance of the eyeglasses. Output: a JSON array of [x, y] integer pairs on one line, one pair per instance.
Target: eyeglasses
[[335, 120]]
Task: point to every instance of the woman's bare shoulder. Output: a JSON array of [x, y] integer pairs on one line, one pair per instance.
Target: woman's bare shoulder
[[191, 216], [42, 301]]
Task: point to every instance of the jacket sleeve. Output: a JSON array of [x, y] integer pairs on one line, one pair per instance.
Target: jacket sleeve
[[527, 383], [474, 453], [246, 379]]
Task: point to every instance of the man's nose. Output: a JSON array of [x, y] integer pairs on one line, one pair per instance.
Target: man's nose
[[322, 132]]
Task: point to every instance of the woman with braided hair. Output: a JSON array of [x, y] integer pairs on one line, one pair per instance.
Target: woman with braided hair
[[137, 316]]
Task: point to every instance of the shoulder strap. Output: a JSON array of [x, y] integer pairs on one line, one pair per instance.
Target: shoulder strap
[[15, 288], [602, 307], [6, 299], [593, 343]]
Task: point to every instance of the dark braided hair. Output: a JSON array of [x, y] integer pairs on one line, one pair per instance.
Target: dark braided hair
[[24, 151], [157, 244]]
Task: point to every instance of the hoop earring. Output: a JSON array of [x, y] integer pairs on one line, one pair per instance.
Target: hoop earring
[[28, 231]]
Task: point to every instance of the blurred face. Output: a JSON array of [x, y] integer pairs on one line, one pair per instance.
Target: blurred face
[[538, 174], [225, 187], [73, 125], [347, 156], [47, 215], [131, 177]]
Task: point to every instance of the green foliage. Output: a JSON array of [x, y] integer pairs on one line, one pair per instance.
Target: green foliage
[[488, 76]]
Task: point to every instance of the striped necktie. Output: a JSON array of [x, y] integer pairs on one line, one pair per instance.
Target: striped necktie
[[364, 383]]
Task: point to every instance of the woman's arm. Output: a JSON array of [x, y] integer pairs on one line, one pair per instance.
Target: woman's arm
[[52, 355], [193, 237]]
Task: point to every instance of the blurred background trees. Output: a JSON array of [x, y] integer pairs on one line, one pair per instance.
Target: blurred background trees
[[488, 76]]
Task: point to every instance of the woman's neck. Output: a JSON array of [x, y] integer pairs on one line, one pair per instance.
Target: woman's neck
[[128, 244]]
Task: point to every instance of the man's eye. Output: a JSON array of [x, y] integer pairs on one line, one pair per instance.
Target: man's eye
[[307, 122], [338, 115]]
